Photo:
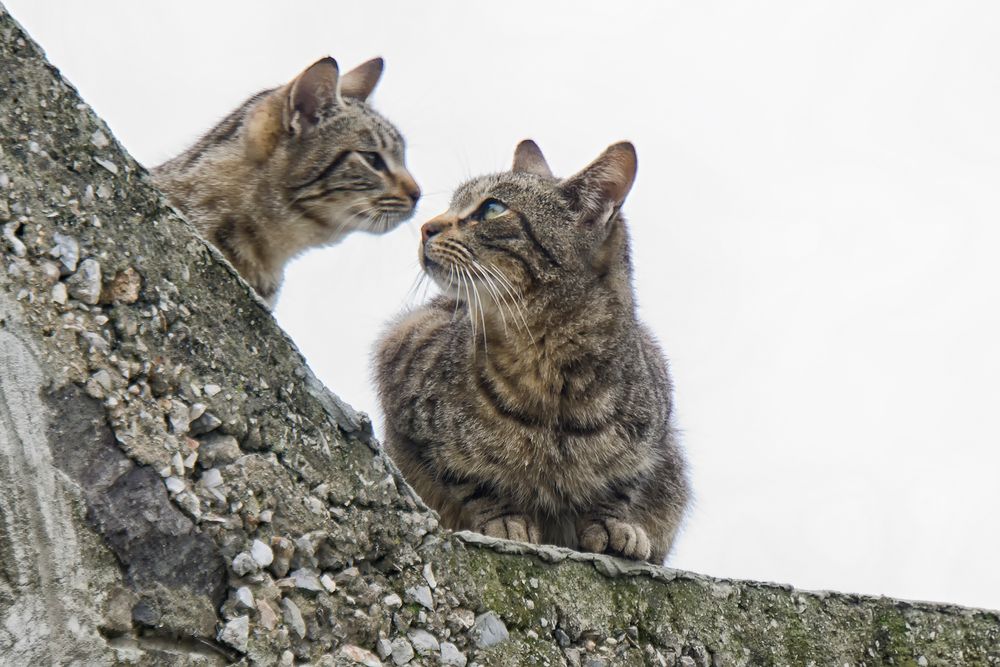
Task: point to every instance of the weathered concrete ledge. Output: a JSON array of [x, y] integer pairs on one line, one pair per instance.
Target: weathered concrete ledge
[[177, 488]]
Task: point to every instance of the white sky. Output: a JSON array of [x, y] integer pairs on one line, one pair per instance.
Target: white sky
[[816, 225]]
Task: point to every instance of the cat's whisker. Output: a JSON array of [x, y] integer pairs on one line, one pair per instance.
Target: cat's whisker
[[492, 291], [482, 312], [514, 294]]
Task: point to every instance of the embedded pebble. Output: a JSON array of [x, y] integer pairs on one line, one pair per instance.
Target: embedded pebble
[[283, 549], [212, 389], [218, 449], [236, 633], [59, 293], [451, 656], [421, 595], [392, 601], [244, 596], [488, 630], [424, 642], [268, 619], [307, 579], [429, 576], [359, 655], [293, 617], [85, 284], [244, 564], [402, 652], [383, 647], [99, 139], [174, 484], [204, 424], [66, 250], [179, 417], [107, 164], [196, 410], [16, 245], [211, 478], [328, 583], [261, 553], [125, 286]]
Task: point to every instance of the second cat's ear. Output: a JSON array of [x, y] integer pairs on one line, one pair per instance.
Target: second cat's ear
[[601, 187], [311, 93], [528, 159], [359, 83]]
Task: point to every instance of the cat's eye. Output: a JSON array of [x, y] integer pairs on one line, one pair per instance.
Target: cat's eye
[[374, 159], [489, 209]]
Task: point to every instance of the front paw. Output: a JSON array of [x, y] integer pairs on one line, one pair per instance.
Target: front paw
[[616, 537], [518, 527]]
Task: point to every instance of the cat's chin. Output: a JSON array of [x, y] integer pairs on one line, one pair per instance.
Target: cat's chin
[[386, 221]]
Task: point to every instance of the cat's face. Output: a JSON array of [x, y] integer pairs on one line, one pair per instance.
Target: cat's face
[[524, 232], [340, 163]]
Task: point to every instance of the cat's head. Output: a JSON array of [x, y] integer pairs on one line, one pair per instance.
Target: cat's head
[[339, 162], [527, 232]]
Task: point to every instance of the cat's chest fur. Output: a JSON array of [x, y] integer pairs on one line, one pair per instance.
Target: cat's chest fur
[[552, 422]]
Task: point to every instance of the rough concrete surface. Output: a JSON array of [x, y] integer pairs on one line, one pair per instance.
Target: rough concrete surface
[[177, 488]]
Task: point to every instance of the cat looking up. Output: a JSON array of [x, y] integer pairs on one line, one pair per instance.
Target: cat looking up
[[292, 168], [528, 402]]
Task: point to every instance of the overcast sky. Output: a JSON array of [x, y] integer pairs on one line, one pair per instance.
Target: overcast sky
[[816, 224]]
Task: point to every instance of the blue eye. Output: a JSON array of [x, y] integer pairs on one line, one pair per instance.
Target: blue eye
[[491, 208]]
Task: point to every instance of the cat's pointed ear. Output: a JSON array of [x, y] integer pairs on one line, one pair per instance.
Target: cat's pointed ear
[[311, 93], [528, 158], [361, 81], [601, 187]]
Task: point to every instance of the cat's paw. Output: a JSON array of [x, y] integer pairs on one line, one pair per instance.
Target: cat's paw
[[512, 527], [616, 537]]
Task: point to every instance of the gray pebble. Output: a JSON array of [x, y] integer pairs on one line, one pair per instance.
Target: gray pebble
[[424, 642], [402, 652], [218, 449], [383, 647], [392, 601], [204, 424], [244, 564], [261, 553], [293, 617], [451, 656], [488, 630], [307, 579], [244, 597], [16, 245], [236, 633], [99, 140], [421, 595], [59, 294], [85, 284], [67, 250], [283, 549]]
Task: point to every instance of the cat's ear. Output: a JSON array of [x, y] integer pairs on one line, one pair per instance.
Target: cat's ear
[[528, 158], [601, 187], [311, 93], [361, 81]]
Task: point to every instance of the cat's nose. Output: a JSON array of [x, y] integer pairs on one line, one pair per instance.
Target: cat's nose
[[432, 228], [411, 188]]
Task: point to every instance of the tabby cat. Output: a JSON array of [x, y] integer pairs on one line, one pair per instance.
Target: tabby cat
[[527, 401], [292, 168]]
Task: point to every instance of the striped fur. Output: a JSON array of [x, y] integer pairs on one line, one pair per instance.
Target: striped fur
[[293, 168], [527, 401]]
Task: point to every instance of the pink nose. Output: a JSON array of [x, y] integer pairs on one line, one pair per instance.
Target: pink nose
[[431, 229]]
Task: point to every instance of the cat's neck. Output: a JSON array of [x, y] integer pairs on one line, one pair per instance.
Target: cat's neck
[[557, 331], [235, 207]]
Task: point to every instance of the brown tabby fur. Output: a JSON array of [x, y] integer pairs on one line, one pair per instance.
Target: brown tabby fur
[[528, 402], [293, 168]]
